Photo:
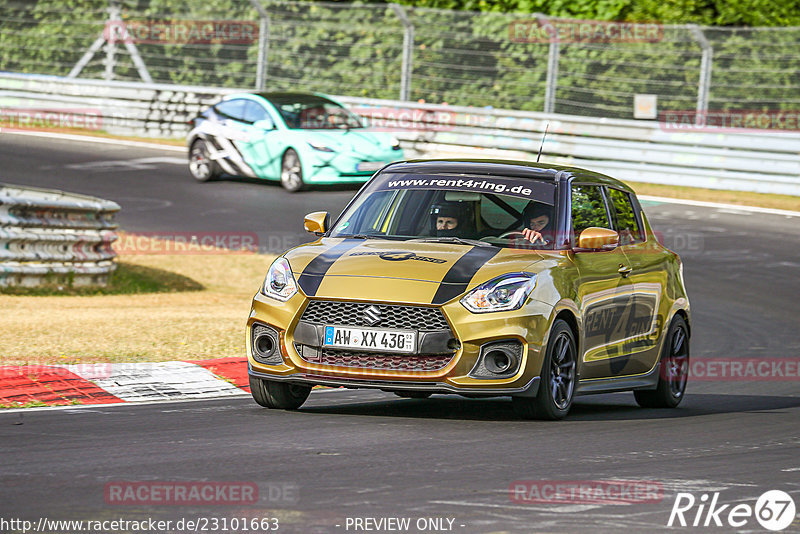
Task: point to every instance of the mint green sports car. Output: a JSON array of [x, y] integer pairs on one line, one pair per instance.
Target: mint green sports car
[[298, 138]]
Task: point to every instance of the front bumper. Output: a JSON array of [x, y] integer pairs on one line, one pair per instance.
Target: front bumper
[[325, 168], [528, 326]]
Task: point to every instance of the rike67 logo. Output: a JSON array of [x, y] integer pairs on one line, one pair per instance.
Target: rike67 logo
[[774, 510]]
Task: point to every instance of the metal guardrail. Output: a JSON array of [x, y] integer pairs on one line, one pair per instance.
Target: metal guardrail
[[49, 236], [636, 150]]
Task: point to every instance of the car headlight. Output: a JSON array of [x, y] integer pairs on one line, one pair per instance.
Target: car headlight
[[320, 147], [279, 283], [504, 293]]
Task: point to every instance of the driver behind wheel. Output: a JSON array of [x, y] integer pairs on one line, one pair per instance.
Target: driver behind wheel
[[537, 218], [451, 219]]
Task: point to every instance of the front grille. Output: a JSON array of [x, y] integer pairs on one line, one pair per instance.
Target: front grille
[[392, 315], [387, 362]]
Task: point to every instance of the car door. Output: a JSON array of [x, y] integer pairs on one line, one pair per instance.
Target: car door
[[604, 295], [229, 137], [648, 278], [258, 150]]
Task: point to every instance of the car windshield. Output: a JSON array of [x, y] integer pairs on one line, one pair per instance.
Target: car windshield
[[480, 210], [311, 112]]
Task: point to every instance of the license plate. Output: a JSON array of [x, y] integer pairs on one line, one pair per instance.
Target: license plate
[[369, 166], [371, 339]]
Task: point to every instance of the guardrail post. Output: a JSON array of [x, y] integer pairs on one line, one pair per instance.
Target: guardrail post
[[552, 69], [111, 44], [408, 51], [263, 45], [704, 84], [107, 37]]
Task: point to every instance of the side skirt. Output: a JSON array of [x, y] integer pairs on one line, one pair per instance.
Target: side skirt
[[628, 383]]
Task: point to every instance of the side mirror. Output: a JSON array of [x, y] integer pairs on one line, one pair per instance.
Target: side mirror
[[595, 238], [264, 124], [317, 222]]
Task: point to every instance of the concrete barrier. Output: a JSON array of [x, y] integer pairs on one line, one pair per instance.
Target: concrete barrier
[[52, 237]]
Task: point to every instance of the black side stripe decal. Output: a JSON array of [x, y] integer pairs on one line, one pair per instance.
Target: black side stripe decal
[[460, 274], [315, 271]]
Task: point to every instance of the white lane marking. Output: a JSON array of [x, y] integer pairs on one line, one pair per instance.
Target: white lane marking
[[735, 207], [102, 140], [791, 469], [732, 211], [137, 164], [556, 509]]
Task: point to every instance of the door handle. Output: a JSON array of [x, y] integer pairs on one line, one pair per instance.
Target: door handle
[[624, 270]]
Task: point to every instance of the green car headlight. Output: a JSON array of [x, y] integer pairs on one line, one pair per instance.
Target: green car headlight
[[320, 147], [279, 283], [504, 293]]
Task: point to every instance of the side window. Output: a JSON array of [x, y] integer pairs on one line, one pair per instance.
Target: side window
[[232, 109], [588, 209], [627, 226], [253, 111]]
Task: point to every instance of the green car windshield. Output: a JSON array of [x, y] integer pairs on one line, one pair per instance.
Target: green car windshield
[[469, 215], [312, 112]]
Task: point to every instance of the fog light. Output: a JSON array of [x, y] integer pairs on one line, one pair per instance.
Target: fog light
[[498, 359], [265, 342]]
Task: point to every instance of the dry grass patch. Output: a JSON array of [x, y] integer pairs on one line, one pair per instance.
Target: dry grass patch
[[202, 318], [743, 198]]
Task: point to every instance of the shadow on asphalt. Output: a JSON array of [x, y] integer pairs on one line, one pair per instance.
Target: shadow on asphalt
[[608, 407]]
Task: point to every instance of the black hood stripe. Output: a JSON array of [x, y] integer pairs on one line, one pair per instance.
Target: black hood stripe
[[460, 274], [315, 271]]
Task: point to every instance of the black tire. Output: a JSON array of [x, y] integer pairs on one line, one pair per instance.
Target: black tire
[[201, 166], [413, 394], [278, 395], [673, 372], [558, 378], [292, 172]]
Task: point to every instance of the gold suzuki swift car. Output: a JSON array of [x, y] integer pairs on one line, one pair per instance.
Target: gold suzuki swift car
[[479, 278]]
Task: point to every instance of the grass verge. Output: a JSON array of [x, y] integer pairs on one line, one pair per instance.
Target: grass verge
[[742, 198], [128, 279], [166, 307]]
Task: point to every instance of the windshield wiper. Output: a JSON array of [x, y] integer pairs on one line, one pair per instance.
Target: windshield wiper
[[453, 239], [364, 236]]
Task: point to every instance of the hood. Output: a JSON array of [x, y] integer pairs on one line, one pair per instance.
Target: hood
[[399, 271], [356, 140]]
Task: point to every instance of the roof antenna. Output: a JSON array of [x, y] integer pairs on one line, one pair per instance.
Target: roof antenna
[[542, 145]]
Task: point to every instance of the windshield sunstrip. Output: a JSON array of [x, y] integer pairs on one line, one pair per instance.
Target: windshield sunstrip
[[529, 189]]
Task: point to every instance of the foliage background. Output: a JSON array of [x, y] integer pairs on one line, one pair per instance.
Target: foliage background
[[462, 51]]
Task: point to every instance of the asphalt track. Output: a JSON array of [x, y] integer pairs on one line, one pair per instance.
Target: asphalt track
[[361, 454]]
